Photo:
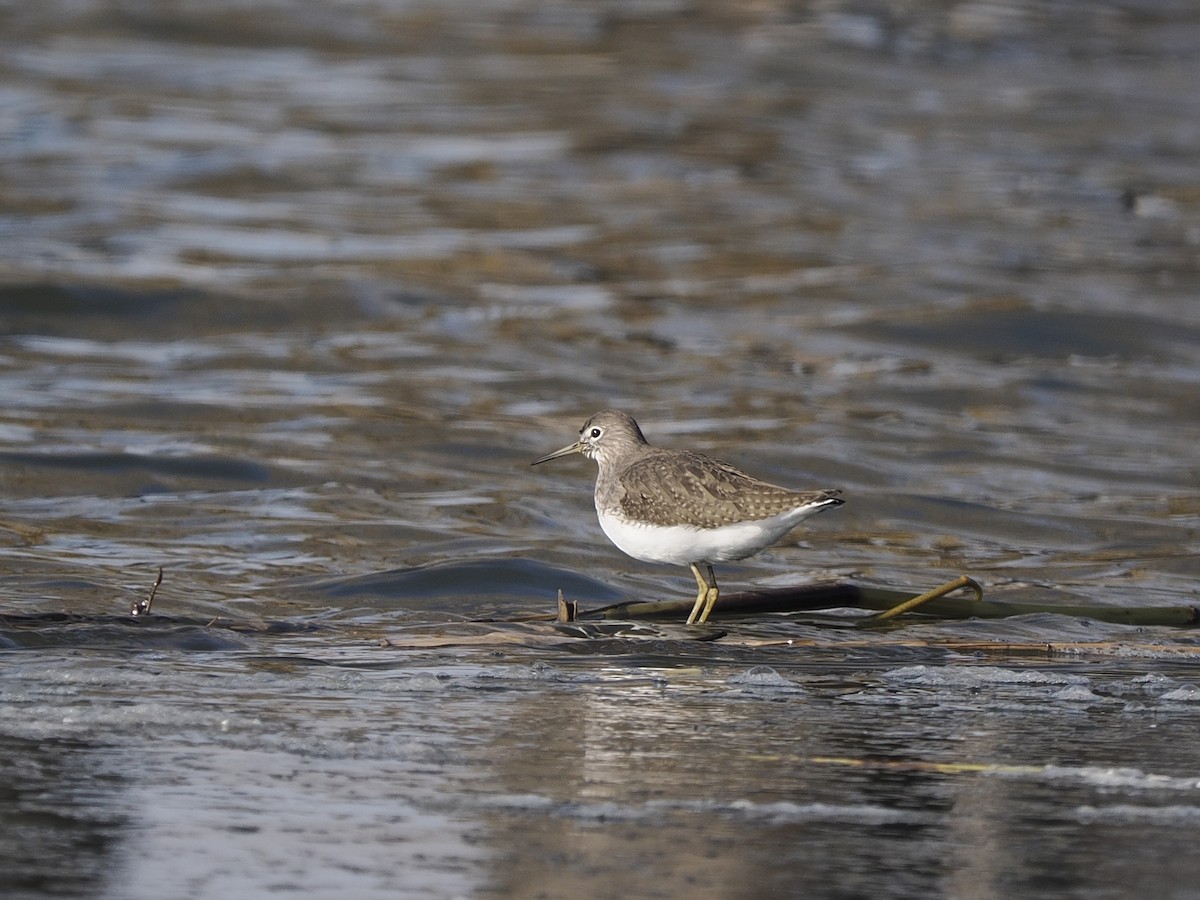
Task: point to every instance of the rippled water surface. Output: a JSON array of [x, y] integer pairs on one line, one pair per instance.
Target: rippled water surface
[[291, 294]]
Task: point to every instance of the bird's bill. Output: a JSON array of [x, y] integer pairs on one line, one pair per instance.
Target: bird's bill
[[576, 447]]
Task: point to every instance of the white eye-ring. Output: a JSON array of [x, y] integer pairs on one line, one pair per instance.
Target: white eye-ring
[[595, 433]]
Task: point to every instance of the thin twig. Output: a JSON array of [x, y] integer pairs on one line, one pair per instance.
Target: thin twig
[[142, 607], [960, 582]]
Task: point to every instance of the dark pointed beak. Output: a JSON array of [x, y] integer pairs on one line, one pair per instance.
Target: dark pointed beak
[[576, 447]]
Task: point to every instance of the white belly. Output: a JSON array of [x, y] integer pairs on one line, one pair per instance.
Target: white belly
[[683, 545]]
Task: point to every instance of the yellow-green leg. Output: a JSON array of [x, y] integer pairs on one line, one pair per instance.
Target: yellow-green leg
[[706, 598]]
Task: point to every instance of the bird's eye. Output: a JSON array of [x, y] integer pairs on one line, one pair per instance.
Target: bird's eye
[[594, 433]]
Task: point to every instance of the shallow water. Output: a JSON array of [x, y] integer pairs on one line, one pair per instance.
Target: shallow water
[[291, 295]]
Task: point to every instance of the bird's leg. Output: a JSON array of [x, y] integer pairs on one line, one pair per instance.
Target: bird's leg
[[710, 596], [706, 599], [702, 585]]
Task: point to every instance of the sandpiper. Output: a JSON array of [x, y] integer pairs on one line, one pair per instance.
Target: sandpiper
[[676, 506]]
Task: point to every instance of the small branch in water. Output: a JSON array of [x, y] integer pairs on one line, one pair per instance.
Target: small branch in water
[[142, 607], [960, 582], [567, 609]]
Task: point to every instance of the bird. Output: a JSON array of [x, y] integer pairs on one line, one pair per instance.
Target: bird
[[662, 505]]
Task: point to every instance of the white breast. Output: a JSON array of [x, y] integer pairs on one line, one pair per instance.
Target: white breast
[[682, 544]]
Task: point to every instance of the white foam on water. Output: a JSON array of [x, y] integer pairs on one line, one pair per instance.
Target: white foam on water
[[1120, 777], [1077, 693], [1185, 693], [770, 812], [971, 677], [1126, 813], [764, 678]]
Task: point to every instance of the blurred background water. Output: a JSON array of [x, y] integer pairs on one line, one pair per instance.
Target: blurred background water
[[292, 292]]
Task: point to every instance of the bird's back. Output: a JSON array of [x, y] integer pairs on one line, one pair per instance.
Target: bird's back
[[679, 487]]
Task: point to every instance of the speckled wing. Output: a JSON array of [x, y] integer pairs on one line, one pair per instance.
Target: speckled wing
[[682, 488]]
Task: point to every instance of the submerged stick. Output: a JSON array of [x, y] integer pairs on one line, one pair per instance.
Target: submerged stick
[[820, 595], [834, 595]]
